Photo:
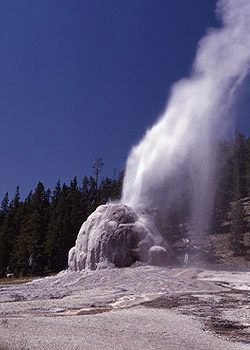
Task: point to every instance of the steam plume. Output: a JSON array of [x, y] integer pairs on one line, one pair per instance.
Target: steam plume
[[196, 108]]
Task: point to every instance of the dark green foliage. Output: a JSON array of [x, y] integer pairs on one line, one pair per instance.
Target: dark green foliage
[[56, 234], [233, 176], [224, 185], [27, 255], [238, 150], [5, 206], [231, 182], [238, 228], [97, 169], [36, 235], [9, 229], [247, 160], [172, 225]]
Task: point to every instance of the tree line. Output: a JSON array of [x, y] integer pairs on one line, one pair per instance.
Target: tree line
[[232, 191], [231, 169], [37, 233]]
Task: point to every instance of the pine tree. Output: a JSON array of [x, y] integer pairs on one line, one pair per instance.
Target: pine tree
[[74, 200], [66, 217], [54, 239], [16, 200], [5, 205], [238, 228], [4, 239], [117, 182], [224, 185], [11, 229], [20, 255], [247, 159], [29, 254], [85, 198], [97, 171], [105, 191], [92, 196], [239, 163]]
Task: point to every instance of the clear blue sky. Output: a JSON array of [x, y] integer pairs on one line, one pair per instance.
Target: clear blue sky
[[83, 79]]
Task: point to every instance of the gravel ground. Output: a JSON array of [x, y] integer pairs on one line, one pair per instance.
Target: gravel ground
[[144, 307]]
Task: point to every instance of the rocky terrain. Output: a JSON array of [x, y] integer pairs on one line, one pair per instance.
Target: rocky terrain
[[113, 296], [139, 307], [114, 235]]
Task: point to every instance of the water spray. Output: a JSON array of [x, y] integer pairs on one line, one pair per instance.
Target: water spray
[[177, 147], [197, 108]]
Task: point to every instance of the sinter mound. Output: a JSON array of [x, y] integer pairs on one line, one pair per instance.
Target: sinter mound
[[116, 236]]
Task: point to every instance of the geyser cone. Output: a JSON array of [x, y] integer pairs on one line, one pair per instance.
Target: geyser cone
[[115, 236]]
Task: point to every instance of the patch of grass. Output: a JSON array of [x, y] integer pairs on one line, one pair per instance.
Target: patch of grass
[[4, 347], [7, 347], [20, 346], [4, 322], [19, 280]]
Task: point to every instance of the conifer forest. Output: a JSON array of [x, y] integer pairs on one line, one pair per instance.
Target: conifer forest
[[37, 233]]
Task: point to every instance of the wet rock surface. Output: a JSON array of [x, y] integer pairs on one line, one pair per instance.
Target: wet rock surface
[[213, 309], [116, 236], [140, 306]]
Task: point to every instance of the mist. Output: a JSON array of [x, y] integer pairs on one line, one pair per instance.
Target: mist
[[181, 143]]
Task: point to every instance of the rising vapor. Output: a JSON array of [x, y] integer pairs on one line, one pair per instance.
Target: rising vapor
[[198, 106]]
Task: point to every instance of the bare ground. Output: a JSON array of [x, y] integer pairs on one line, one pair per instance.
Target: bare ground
[[142, 307]]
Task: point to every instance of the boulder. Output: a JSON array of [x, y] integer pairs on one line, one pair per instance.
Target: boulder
[[158, 255], [116, 236]]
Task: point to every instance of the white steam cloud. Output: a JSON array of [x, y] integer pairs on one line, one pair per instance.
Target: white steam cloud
[[197, 106]]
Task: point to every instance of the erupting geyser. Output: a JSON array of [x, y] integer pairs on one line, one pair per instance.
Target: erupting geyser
[[180, 142], [177, 145]]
